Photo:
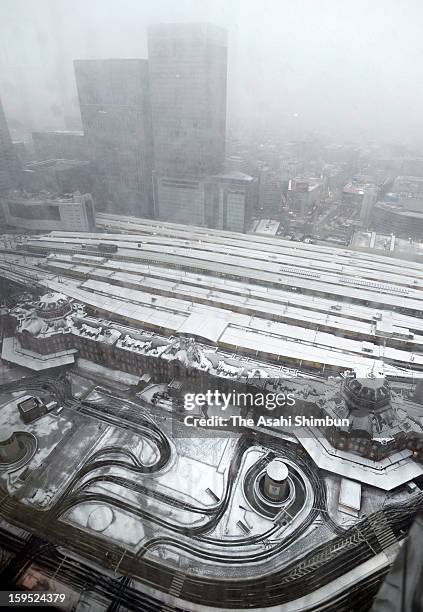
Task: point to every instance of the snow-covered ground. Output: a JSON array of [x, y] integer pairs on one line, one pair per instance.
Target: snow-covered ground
[[48, 430]]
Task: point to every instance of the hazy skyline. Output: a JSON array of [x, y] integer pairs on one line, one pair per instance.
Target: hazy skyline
[[339, 67]]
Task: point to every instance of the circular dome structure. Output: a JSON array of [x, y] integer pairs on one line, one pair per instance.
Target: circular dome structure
[[16, 448], [368, 393], [276, 484], [53, 306], [290, 493], [277, 471], [10, 448]]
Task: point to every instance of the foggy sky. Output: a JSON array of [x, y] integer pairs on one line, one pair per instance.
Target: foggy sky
[[346, 68]]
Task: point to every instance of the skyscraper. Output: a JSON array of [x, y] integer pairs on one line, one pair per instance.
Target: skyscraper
[[9, 167], [229, 201], [59, 144], [188, 65], [116, 117]]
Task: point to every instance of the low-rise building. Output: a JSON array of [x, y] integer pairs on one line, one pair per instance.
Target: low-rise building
[[394, 218], [31, 408], [43, 212]]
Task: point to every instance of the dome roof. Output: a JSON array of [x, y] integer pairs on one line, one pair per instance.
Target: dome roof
[[277, 470], [53, 305], [52, 300], [367, 393], [6, 433]]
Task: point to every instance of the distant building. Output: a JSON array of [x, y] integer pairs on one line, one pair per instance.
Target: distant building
[[406, 193], [114, 99], [354, 191], [401, 210], [269, 192], [9, 165], [304, 193], [408, 184], [268, 154], [222, 201], [396, 219], [61, 144], [337, 174], [58, 176], [188, 65], [47, 213], [180, 200], [412, 167], [235, 163], [367, 204], [229, 201]]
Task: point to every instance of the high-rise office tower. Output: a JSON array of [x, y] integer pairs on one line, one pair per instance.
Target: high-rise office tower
[[116, 117], [229, 201], [188, 66], [9, 166], [269, 192]]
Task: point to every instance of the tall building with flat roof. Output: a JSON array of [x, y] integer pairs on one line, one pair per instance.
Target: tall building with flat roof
[[116, 116], [269, 192], [222, 201], [9, 168], [229, 201], [188, 66]]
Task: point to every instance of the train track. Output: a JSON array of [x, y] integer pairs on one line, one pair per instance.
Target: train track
[[324, 564]]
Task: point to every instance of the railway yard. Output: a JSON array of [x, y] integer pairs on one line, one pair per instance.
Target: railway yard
[[308, 307], [107, 494]]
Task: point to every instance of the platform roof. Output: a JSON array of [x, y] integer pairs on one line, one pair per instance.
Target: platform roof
[[352, 286], [207, 328]]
